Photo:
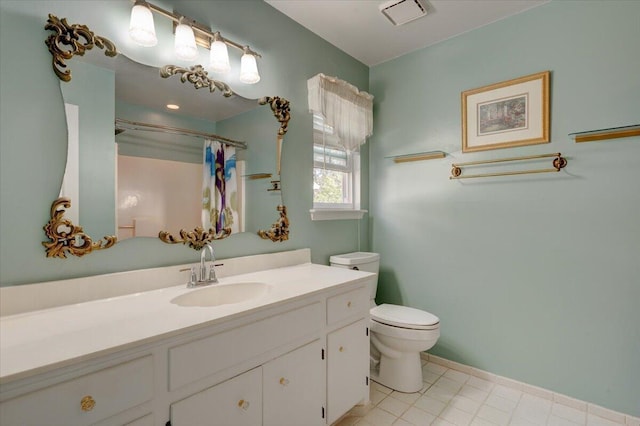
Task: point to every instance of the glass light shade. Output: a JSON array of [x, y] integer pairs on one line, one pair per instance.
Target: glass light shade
[[249, 69], [141, 27], [219, 57], [185, 43]]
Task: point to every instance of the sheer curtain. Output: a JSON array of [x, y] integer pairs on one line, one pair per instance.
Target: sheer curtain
[[343, 107], [220, 188]]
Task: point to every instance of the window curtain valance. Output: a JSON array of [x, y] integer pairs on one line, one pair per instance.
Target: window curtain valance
[[343, 107]]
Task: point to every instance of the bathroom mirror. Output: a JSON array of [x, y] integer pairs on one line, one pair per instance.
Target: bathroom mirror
[[112, 204]]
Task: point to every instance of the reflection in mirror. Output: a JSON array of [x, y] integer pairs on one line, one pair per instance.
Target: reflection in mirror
[[160, 167], [169, 160], [156, 193]]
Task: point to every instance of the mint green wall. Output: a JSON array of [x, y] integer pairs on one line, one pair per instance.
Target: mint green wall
[[33, 131], [535, 277]]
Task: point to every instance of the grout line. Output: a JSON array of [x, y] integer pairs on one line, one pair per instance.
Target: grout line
[[525, 394]]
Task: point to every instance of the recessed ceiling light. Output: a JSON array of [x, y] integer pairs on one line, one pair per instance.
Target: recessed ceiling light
[[173, 106]]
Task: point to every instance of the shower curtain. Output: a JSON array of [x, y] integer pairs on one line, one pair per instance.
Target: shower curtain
[[219, 188]]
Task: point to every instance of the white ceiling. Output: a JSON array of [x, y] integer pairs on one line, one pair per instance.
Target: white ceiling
[[358, 28]]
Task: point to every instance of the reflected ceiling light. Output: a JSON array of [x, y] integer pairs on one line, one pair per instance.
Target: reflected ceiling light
[[188, 35], [185, 41], [219, 56], [141, 27], [173, 106], [249, 67]]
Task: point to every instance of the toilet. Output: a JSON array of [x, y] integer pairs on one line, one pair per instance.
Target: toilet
[[398, 333]]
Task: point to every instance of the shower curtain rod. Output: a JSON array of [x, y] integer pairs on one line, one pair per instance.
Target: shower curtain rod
[[122, 124]]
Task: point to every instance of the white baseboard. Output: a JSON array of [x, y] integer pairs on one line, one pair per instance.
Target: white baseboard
[[596, 410]]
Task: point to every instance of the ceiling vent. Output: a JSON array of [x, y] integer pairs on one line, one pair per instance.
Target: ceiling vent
[[400, 12]]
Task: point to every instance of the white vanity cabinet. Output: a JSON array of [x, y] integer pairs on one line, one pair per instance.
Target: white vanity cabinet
[[299, 359]]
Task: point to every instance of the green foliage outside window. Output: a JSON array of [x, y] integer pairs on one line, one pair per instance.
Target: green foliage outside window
[[328, 186]]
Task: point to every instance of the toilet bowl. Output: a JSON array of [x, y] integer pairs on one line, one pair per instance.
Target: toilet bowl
[[398, 333]]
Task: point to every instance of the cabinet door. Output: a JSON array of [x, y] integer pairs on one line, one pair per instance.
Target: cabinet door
[[293, 388], [238, 402], [347, 368]]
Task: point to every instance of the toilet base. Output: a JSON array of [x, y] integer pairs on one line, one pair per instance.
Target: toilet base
[[403, 374]]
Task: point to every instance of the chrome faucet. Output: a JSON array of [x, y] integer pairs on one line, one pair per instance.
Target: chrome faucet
[[204, 278]]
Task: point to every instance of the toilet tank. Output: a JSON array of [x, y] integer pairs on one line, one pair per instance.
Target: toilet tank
[[360, 261]]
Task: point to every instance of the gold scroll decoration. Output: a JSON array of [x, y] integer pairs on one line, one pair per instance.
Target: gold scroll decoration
[[195, 239], [279, 230], [282, 112], [71, 40], [197, 76], [65, 237]]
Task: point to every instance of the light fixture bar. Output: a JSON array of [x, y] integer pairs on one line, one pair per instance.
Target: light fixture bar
[[199, 28]]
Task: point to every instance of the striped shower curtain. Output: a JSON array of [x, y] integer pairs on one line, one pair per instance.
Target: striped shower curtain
[[219, 189]]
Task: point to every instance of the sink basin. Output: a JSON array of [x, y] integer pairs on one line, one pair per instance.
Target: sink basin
[[222, 294]]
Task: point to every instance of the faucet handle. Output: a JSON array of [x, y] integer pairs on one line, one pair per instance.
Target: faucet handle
[[212, 274], [192, 276]]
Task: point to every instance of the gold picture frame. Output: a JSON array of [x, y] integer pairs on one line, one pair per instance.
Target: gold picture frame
[[507, 114]]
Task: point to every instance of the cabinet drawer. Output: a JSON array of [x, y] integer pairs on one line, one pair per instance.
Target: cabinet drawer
[[85, 400], [347, 305], [195, 360]]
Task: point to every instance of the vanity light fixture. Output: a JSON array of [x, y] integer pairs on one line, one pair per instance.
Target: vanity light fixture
[[248, 67], [219, 56], [188, 35], [141, 27], [185, 41]]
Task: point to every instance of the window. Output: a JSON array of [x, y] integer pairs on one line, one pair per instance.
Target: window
[[336, 171], [342, 121]]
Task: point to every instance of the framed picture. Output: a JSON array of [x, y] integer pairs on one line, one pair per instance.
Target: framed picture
[[507, 114]]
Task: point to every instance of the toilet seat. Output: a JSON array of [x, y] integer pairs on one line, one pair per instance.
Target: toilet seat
[[404, 317]]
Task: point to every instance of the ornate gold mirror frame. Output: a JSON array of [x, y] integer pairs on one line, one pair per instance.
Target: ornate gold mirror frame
[[66, 42], [65, 238]]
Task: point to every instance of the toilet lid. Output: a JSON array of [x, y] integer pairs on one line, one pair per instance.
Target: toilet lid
[[404, 317]]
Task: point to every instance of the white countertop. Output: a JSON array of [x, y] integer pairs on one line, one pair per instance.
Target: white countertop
[[40, 341]]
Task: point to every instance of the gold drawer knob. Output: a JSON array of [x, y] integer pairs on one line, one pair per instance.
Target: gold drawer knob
[[349, 304], [341, 349], [283, 381], [87, 403], [243, 404]]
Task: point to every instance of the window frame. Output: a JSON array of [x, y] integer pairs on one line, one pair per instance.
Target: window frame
[[324, 140]]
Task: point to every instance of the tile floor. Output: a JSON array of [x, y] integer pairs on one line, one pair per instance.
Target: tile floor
[[452, 398]]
